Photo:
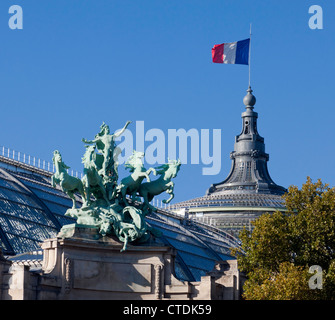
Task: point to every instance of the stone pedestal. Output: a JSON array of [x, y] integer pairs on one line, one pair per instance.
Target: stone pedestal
[[82, 267], [228, 280]]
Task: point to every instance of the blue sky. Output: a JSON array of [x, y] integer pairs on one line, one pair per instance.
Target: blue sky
[[78, 63]]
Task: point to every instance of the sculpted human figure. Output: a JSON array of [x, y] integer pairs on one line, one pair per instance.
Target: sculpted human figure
[[105, 143], [91, 179]]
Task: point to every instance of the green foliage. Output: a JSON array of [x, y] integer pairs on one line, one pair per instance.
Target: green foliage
[[290, 282], [277, 254]]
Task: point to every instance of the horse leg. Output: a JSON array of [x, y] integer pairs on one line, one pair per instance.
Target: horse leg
[[134, 197], [53, 183], [88, 195], [153, 170], [87, 190], [169, 190], [171, 196], [62, 186], [70, 194], [145, 175], [82, 191], [123, 194], [146, 205], [103, 190], [149, 199]]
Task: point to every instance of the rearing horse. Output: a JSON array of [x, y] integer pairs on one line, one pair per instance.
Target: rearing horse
[[150, 189], [131, 184], [68, 183], [91, 176]]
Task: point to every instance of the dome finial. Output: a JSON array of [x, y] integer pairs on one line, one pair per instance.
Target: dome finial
[[249, 100]]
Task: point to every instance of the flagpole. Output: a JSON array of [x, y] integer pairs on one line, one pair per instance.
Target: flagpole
[[250, 59]]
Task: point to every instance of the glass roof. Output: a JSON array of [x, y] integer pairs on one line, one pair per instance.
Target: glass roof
[[199, 254], [32, 211]]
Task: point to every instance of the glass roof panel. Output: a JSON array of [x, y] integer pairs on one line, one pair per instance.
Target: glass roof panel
[[23, 234], [218, 246], [52, 197], [24, 228], [40, 186], [3, 244], [9, 185], [176, 234], [63, 220], [18, 197], [20, 244], [198, 273], [184, 246], [195, 261], [56, 208], [180, 272], [25, 212]]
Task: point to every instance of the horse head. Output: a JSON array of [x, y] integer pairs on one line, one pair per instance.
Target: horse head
[[135, 160], [170, 169], [56, 157], [58, 162], [174, 165]]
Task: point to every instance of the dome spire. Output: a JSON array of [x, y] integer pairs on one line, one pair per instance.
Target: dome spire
[[249, 173]]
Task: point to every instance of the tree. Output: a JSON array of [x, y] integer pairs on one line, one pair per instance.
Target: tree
[[277, 253]]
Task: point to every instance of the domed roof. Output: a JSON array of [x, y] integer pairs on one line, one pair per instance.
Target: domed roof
[[248, 184]]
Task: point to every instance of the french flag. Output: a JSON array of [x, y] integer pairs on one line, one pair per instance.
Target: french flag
[[233, 52]]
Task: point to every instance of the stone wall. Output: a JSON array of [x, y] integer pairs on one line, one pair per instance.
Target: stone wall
[[4, 268], [79, 268]]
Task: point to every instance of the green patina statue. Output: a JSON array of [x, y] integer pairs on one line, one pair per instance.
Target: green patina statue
[[153, 188], [105, 143], [68, 184], [104, 202], [92, 180], [131, 184]]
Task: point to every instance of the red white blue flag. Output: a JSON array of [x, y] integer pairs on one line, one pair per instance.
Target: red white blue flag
[[233, 52]]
